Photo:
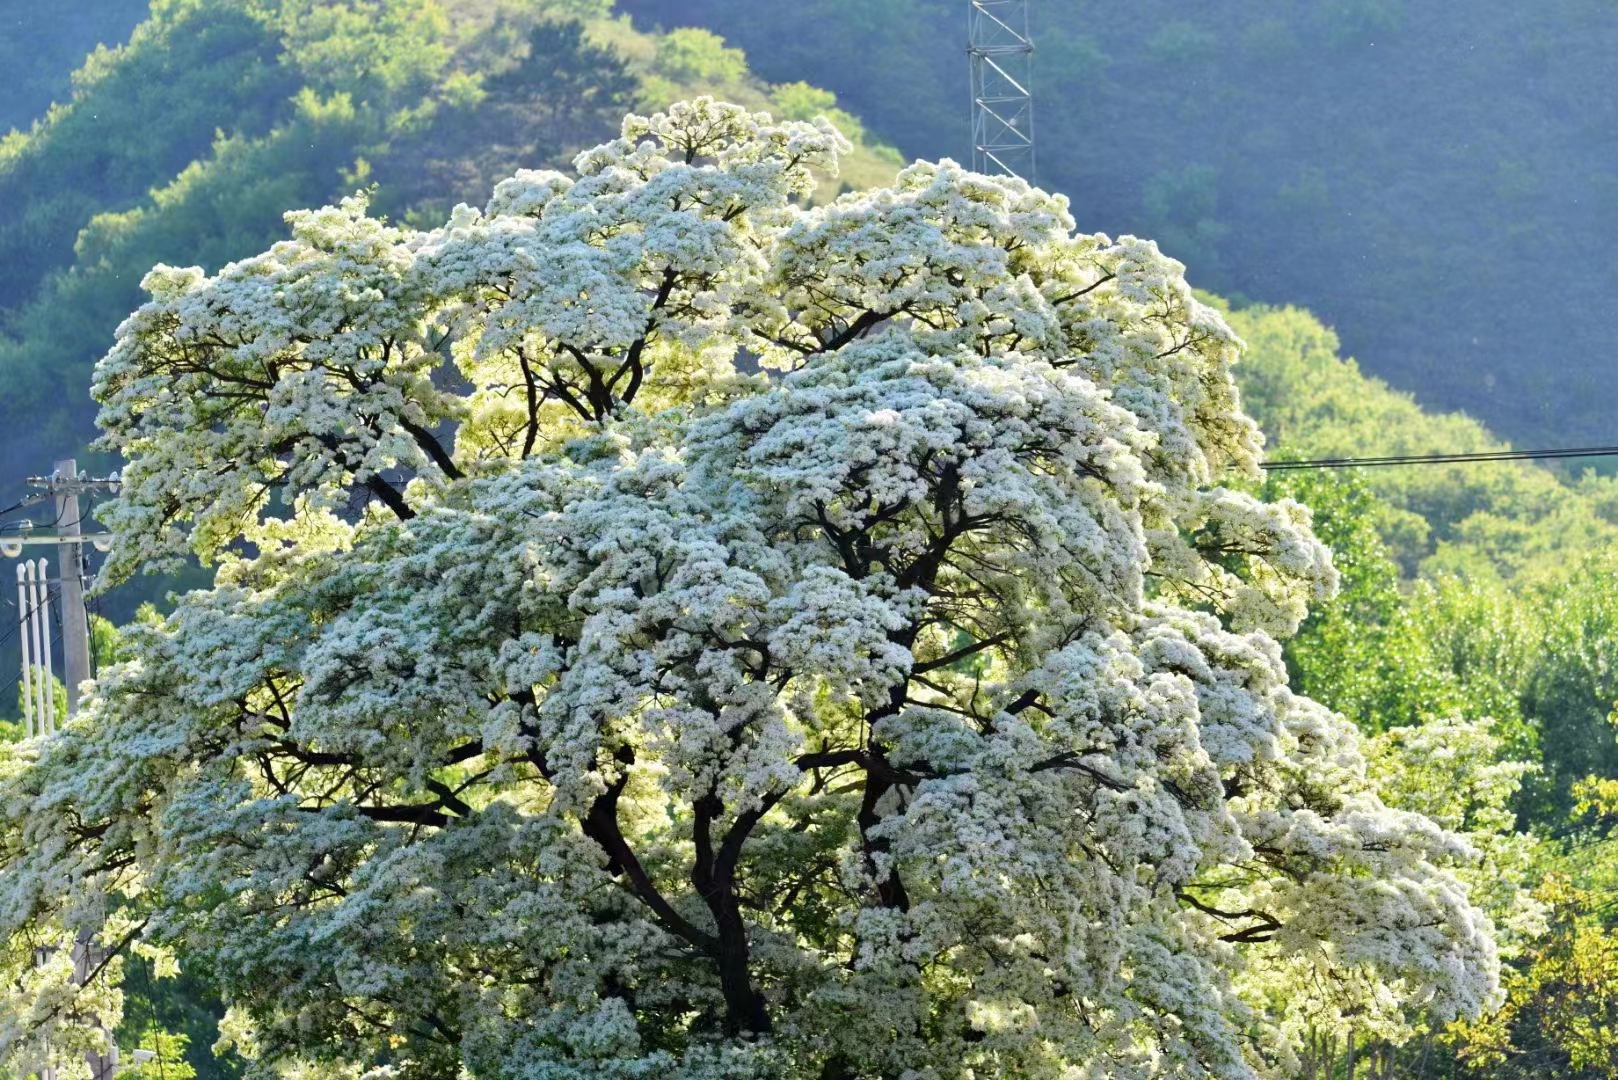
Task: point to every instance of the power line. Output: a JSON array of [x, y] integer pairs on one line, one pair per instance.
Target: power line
[[1442, 459], [12, 683]]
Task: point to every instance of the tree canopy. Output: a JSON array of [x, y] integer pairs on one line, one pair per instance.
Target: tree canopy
[[664, 629]]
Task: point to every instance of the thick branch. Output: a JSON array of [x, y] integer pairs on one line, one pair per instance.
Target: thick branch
[[632, 362], [714, 876], [1070, 761], [1102, 280], [433, 448], [532, 389], [860, 325], [422, 814], [960, 654], [601, 825], [1264, 930], [390, 497]]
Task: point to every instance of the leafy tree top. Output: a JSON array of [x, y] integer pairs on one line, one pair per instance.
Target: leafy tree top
[[664, 630]]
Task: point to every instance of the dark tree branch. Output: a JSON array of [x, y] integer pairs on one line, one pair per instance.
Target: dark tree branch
[[424, 814], [432, 447], [532, 390], [1264, 930], [632, 362], [1070, 762], [961, 654], [390, 497], [1028, 699], [601, 825], [1084, 291], [865, 321]]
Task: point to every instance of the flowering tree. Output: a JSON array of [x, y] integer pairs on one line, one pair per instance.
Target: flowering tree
[[663, 630]]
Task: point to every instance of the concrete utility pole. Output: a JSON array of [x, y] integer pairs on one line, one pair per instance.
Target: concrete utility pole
[[24, 640], [34, 634], [62, 488], [70, 566], [88, 956]]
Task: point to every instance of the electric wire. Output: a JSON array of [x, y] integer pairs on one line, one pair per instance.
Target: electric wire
[[1441, 459], [17, 678], [1281, 465], [30, 523], [51, 605], [92, 612], [7, 688]]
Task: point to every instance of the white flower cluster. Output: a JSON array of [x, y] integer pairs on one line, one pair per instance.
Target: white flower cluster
[[664, 630]]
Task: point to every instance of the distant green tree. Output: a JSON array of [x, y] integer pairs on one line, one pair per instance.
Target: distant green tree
[[375, 50], [800, 101], [1570, 693], [562, 94], [1560, 1016], [692, 55], [1385, 654], [564, 89], [177, 1016], [1335, 656]]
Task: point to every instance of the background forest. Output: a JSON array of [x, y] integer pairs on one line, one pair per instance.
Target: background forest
[[1441, 193], [1407, 171]]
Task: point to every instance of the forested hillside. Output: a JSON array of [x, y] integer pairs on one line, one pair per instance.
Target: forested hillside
[[1442, 190], [1489, 589], [186, 145], [42, 44]]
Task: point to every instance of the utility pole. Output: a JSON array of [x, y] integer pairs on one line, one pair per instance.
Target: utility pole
[[88, 957], [1001, 55], [62, 488], [24, 641], [70, 565]]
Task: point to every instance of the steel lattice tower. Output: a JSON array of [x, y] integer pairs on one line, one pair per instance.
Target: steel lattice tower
[[1001, 55]]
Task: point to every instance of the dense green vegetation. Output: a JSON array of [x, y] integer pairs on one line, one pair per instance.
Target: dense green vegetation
[[1475, 590], [1399, 168], [1485, 593]]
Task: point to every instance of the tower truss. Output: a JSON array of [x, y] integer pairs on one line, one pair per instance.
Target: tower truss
[[1002, 56]]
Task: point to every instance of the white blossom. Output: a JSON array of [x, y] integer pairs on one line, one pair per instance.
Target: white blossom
[[576, 700]]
